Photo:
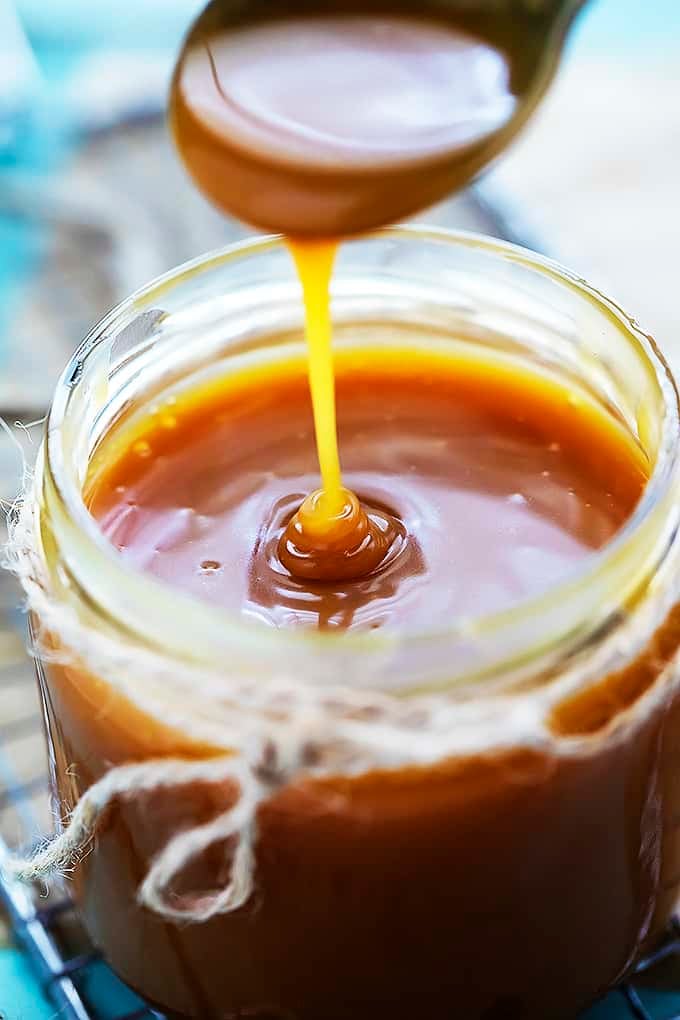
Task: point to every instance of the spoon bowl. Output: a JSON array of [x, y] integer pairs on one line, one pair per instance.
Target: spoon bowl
[[328, 124]]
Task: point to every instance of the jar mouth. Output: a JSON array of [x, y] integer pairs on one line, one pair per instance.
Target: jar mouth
[[536, 631]]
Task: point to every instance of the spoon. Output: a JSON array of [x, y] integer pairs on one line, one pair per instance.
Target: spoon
[[320, 124]]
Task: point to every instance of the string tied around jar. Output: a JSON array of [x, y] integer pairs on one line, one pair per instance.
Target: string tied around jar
[[277, 762], [237, 824], [266, 758], [266, 732]]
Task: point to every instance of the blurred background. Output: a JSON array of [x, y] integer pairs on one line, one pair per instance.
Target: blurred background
[[93, 204]]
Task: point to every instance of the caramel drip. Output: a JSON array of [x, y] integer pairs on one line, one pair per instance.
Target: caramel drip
[[351, 543], [332, 537]]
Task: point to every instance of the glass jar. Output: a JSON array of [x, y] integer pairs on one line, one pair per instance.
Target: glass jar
[[480, 822]]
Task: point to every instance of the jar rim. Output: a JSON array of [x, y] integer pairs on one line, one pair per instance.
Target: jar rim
[[72, 521]]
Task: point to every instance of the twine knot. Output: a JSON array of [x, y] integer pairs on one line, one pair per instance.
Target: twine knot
[[236, 826]]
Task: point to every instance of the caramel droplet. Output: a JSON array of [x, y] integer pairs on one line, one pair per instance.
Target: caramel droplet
[[340, 542]]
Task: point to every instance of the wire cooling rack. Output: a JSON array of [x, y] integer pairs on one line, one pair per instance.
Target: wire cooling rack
[[72, 972]]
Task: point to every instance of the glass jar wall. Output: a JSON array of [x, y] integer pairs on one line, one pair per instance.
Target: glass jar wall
[[514, 845]]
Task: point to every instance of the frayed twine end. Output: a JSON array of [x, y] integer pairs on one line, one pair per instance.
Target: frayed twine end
[[237, 823]]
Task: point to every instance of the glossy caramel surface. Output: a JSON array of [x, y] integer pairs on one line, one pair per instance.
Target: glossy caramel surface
[[486, 485]]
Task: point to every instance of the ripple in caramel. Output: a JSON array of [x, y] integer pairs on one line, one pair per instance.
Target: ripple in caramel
[[497, 481], [352, 542]]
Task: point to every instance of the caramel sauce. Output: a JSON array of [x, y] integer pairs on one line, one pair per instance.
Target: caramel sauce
[[484, 484], [584, 845], [319, 124], [471, 886], [327, 124], [329, 120], [349, 543], [332, 537]]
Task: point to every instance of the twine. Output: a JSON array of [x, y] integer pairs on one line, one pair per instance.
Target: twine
[[59, 854], [271, 730]]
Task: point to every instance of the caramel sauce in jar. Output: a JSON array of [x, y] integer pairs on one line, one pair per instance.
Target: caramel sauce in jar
[[513, 878], [483, 486], [369, 885]]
